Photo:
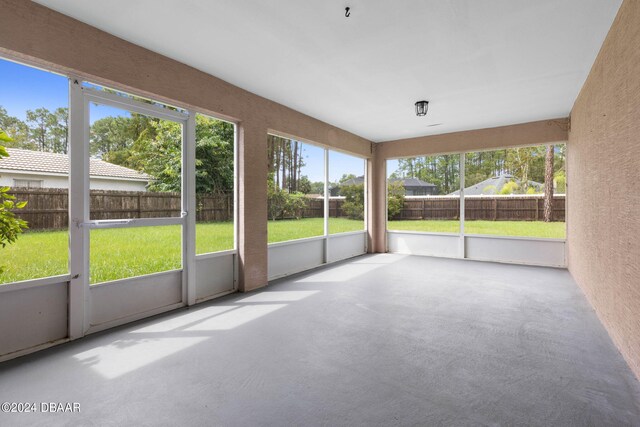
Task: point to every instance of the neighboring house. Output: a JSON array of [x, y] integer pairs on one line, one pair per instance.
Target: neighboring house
[[412, 186], [335, 191], [416, 187], [494, 184], [38, 169]]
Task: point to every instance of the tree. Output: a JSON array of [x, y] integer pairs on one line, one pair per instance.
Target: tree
[[48, 131], [353, 204], [18, 130], [285, 161], [304, 185], [111, 138], [317, 187], [60, 131], [10, 226], [158, 153], [154, 147], [395, 199], [281, 203], [214, 155], [443, 171], [548, 184]]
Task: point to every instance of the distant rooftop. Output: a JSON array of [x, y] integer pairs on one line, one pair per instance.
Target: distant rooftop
[[493, 185], [407, 182], [412, 182], [45, 162]]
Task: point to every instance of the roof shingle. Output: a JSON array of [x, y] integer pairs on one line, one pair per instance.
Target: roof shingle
[[41, 161]]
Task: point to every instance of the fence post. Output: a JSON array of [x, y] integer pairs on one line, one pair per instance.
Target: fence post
[[495, 209]]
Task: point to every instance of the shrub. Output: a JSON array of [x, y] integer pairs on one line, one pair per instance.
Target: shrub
[[353, 205], [282, 204], [510, 187], [10, 226], [395, 199], [560, 182], [294, 204], [489, 189]]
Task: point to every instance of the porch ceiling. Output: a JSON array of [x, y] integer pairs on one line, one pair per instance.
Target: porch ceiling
[[480, 64]]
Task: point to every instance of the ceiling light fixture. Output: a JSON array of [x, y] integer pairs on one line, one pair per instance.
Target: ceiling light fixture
[[421, 108]]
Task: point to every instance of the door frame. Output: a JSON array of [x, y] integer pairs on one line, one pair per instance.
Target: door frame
[[80, 99]]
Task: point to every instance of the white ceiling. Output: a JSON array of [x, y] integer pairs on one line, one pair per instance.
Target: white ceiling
[[480, 63]]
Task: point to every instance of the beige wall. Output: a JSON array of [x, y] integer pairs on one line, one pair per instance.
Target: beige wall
[[37, 35], [532, 133], [603, 177]]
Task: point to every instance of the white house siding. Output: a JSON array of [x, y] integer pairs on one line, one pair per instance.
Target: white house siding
[[100, 183], [52, 181]]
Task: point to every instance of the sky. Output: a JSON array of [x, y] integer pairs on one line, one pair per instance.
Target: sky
[[339, 164], [25, 88]]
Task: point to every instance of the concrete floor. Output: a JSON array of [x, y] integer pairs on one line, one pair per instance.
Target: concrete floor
[[378, 340]]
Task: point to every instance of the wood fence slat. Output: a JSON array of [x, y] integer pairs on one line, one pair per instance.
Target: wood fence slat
[[48, 208]]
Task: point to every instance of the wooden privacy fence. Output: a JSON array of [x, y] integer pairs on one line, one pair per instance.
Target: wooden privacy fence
[[315, 208], [489, 208], [47, 208]]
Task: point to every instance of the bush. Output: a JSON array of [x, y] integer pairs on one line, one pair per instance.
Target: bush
[[10, 226], [510, 187], [560, 182], [282, 204], [353, 205], [395, 199], [294, 204]]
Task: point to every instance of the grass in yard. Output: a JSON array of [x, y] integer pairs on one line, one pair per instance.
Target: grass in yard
[[343, 225], [214, 237], [291, 229], [34, 255], [127, 252], [119, 253], [541, 229]]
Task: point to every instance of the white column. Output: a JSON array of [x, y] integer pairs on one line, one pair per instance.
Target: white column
[[326, 205], [462, 239], [189, 209], [79, 296]]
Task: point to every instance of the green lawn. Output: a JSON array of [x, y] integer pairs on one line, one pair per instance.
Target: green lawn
[[502, 228], [127, 252], [290, 229]]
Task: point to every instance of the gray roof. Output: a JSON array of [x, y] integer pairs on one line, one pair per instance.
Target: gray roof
[[44, 162], [412, 182], [353, 181], [493, 185], [406, 182]]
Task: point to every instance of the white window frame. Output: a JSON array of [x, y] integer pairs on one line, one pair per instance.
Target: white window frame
[[28, 183]]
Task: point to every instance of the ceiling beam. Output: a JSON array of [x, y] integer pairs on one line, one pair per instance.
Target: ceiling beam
[[542, 132]]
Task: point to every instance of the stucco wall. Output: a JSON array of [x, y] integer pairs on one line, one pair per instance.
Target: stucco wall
[[603, 177], [50, 181]]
